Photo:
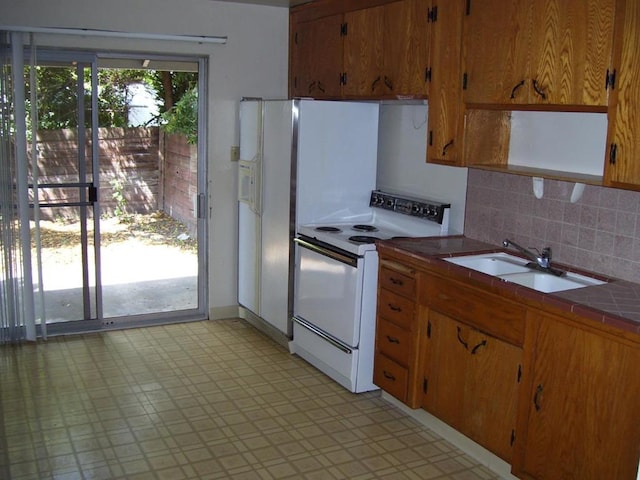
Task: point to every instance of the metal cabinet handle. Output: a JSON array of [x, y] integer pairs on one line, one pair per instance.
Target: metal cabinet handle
[[462, 342], [396, 281], [387, 82], [321, 87], [539, 90], [374, 83], [391, 339], [475, 349], [312, 85], [536, 398], [388, 375], [516, 88], [394, 308], [613, 152], [446, 147]]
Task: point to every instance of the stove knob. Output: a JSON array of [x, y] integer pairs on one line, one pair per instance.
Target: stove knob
[[432, 211], [416, 209], [390, 203]]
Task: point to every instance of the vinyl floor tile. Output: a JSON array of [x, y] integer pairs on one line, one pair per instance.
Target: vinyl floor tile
[[201, 400]]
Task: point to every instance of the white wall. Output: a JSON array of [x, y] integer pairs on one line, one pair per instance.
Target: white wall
[[561, 141], [252, 63], [402, 147]]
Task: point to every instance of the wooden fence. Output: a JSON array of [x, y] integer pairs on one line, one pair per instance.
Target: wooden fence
[[141, 170]]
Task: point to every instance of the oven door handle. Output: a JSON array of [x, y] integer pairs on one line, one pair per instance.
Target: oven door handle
[[325, 336], [351, 260]]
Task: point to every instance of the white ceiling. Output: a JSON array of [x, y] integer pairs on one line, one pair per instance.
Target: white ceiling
[[273, 3]]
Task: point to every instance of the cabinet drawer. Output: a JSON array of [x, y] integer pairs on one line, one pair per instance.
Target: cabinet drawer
[[487, 312], [394, 342], [397, 309], [391, 377], [393, 280]]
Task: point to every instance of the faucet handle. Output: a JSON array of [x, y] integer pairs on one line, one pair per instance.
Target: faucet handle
[[546, 253]]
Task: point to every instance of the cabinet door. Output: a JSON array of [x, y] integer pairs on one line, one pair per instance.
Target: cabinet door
[[571, 51], [445, 369], [319, 58], [496, 51], [445, 122], [471, 383], [622, 167], [581, 407], [406, 48], [363, 58], [491, 393]]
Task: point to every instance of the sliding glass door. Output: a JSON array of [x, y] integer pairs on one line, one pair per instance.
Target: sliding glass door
[[65, 188], [115, 195]]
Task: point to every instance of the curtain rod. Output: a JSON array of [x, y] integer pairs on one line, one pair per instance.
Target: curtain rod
[[116, 34]]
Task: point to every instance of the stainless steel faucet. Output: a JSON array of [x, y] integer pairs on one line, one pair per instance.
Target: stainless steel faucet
[[540, 260]]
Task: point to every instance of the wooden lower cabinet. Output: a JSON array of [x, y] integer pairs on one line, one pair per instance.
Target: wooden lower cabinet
[[579, 416], [554, 395], [471, 382], [395, 368]]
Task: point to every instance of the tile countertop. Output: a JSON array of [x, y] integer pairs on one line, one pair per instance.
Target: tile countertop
[[616, 303]]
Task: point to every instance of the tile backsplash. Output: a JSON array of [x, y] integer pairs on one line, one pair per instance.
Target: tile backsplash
[[600, 232]]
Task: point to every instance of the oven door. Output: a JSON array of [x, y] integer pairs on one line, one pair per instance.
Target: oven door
[[328, 291]]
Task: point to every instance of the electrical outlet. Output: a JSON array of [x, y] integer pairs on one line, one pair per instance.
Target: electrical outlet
[[235, 153]]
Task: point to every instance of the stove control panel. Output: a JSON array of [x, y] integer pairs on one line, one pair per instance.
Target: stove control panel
[[417, 207]]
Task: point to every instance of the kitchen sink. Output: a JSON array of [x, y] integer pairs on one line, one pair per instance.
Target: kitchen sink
[[495, 264], [511, 268]]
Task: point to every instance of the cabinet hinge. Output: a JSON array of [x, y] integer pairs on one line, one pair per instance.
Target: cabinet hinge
[[464, 80], [425, 385], [343, 29], [429, 323], [343, 78], [610, 80], [468, 9], [613, 152], [513, 437], [519, 373], [432, 14], [427, 74]]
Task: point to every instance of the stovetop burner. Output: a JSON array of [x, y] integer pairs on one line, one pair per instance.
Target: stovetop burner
[[328, 229], [363, 239], [365, 228]]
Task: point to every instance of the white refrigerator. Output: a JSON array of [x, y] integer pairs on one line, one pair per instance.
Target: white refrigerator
[[301, 162]]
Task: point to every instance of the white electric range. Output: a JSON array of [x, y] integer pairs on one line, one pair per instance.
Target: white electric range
[[336, 275]]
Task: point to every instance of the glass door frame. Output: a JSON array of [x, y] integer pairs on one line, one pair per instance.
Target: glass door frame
[[90, 196], [88, 192]]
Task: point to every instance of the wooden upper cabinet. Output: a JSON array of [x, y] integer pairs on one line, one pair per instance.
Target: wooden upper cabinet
[[622, 165], [363, 59], [445, 122], [406, 48], [386, 50], [316, 57], [538, 52], [496, 51], [571, 51], [578, 418]]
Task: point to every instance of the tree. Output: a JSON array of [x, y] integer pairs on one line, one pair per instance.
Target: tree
[[183, 116], [57, 96]]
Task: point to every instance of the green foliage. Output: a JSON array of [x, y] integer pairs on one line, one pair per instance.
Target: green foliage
[[118, 195], [57, 96], [183, 117], [181, 83]]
